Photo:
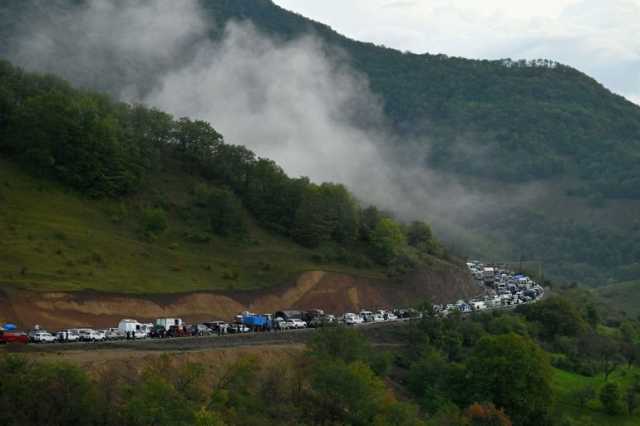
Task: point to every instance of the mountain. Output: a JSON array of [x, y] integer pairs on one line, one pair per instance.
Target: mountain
[[562, 147]]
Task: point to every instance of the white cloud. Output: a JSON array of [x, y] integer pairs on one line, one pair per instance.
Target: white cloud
[[599, 38]]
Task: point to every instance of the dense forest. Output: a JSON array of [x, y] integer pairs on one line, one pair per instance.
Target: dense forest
[[552, 363], [101, 148], [530, 119]]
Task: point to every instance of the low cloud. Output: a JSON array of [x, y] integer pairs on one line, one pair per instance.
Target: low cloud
[[292, 102]]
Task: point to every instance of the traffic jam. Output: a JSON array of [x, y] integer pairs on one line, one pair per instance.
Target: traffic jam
[[502, 289]]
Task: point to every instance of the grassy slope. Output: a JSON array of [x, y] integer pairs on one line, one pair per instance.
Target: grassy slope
[[622, 297], [564, 383], [51, 239]]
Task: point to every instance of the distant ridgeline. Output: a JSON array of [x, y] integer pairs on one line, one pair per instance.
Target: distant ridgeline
[[104, 148], [529, 119]]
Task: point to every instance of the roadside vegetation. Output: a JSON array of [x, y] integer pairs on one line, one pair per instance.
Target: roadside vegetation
[[558, 362]]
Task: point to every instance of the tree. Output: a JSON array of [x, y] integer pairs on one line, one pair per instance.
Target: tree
[[77, 138], [345, 393], [387, 240], [399, 414], [556, 315], [610, 398], [629, 330], [348, 345], [327, 212], [592, 315], [433, 380], [420, 236], [515, 374], [226, 216], [486, 415], [44, 393], [583, 395], [604, 349], [369, 218], [631, 399], [197, 142], [153, 400], [630, 352]]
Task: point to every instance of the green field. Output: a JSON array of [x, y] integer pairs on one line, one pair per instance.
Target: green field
[[54, 239], [564, 383]]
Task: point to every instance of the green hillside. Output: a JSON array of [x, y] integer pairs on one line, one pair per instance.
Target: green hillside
[[97, 194], [490, 124], [53, 239]]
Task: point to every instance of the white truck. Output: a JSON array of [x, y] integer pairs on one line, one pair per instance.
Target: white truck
[[132, 328]]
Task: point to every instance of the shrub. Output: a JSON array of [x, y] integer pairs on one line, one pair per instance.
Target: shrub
[[610, 398], [154, 220]]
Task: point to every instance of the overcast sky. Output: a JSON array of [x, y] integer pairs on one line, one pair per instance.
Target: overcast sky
[[599, 37]]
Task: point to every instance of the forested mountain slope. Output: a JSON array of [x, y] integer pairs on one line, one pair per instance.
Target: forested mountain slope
[[490, 124], [534, 119], [104, 195]]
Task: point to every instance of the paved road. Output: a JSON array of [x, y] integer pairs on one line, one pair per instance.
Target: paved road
[[375, 331], [372, 330]]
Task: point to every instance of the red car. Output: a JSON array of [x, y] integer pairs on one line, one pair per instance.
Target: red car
[[13, 337]]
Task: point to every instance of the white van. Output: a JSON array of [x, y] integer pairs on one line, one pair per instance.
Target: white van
[[133, 328]]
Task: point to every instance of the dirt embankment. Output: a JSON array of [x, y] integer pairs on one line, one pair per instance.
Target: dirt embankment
[[333, 292]]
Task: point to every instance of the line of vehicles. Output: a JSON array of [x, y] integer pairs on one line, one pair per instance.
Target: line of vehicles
[[246, 322], [503, 289]]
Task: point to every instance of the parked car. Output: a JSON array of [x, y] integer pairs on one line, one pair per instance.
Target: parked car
[[13, 337], [390, 316], [238, 328], [42, 336], [377, 318], [178, 331], [367, 316], [64, 336], [322, 321], [114, 334], [352, 319], [281, 324], [200, 330], [90, 335], [215, 326], [297, 323]]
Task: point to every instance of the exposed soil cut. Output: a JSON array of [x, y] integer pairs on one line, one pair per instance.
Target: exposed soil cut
[[333, 292]]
